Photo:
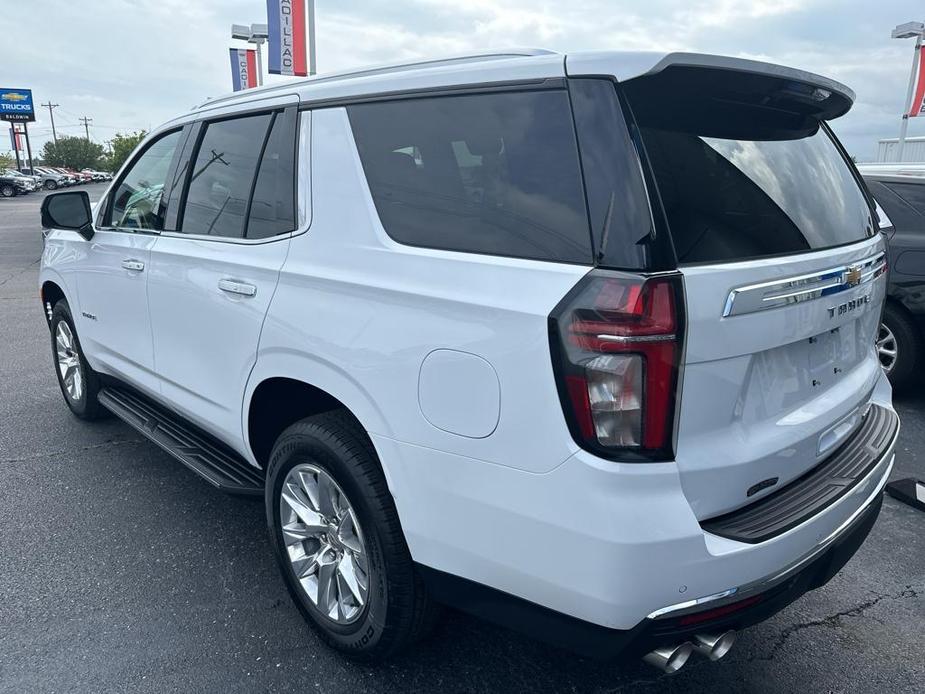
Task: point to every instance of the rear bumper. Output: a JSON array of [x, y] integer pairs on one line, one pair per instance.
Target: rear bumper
[[610, 549], [818, 488], [739, 611]]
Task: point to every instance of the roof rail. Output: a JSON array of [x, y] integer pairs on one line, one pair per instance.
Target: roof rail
[[385, 69]]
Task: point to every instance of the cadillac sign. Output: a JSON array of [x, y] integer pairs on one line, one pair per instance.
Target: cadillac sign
[[16, 105]]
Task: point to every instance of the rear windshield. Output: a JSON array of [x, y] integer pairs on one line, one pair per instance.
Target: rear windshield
[[785, 191]]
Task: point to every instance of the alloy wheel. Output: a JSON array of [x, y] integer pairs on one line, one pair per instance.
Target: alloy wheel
[[69, 361], [887, 349], [324, 543]]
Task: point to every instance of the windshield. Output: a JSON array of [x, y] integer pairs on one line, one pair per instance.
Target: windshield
[[731, 199]]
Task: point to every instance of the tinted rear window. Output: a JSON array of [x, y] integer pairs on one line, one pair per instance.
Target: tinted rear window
[[771, 187], [489, 173]]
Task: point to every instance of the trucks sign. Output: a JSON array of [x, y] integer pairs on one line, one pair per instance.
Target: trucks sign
[[16, 105]]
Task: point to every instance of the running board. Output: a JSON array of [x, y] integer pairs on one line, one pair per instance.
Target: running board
[[211, 460]]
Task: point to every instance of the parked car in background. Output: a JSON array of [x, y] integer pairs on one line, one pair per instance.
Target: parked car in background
[[71, 178], [50, 180], [26, 183], [82, 177], [10, 186], [76, 175], [578, 343], [900, 191], [97, 175]]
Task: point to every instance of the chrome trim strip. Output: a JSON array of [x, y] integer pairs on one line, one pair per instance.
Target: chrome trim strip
[[763, 584], [790, 290], [629, 339]]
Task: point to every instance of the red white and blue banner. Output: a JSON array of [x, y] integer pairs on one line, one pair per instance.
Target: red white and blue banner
[[918, 99], [287, 43], [243, 68]]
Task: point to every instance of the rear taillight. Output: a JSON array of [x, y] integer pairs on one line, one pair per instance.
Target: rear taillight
[[616, 345]]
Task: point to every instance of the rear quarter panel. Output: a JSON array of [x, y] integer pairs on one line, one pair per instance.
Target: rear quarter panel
[[356, 314]]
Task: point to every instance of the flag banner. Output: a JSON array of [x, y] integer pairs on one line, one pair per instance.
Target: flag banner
[[243, 68], [286, 45], [917, 108]]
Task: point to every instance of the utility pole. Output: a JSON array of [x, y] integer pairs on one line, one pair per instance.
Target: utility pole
[[51, 114], [907, 31], [86, 121]]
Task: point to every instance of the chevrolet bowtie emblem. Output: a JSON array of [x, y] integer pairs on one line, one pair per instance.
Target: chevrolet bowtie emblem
[[853, 276]]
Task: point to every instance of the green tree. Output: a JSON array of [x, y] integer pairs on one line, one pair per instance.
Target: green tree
[[72, 152], [122, 147], [7, 162]]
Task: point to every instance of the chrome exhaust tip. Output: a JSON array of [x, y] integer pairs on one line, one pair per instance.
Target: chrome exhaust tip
[[714, 646], [670, 659]]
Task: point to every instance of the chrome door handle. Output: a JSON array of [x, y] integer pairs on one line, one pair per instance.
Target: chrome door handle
[[135, 265], [235, 287]]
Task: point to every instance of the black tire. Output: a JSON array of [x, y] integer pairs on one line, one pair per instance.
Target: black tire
[[50, 185], [7, 190], [398, 610], [908, 341], [86, 406]]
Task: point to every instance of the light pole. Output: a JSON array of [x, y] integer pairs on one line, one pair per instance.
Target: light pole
[[256, 34], [907, 31], [312, 67]]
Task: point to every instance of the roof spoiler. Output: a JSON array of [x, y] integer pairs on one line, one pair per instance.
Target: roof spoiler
[[776, 86]]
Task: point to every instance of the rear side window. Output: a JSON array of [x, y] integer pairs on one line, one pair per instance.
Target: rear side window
[[620, 218], [272, 209], [222, 176], [491, 173]]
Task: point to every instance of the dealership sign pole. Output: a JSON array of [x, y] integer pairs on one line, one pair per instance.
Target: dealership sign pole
[[25, 129], [14, 138]]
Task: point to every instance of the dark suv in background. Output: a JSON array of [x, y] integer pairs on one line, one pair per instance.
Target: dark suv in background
[[900, 191]]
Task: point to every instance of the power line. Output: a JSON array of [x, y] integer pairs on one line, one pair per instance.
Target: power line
[[50, 106], [86, 121]]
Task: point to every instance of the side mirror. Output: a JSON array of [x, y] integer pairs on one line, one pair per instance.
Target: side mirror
[[68, 210]]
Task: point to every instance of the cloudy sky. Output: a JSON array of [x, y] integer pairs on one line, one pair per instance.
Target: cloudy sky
[[131, 64]]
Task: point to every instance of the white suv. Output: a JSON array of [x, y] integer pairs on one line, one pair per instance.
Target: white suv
[[583, 344]]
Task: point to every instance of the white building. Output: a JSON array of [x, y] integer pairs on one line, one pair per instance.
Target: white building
[[914, 149]]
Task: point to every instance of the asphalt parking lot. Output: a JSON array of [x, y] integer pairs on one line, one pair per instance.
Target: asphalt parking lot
[[122, 571]]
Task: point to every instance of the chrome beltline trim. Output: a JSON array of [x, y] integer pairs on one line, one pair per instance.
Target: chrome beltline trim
[[769, 582], [790, 290]]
